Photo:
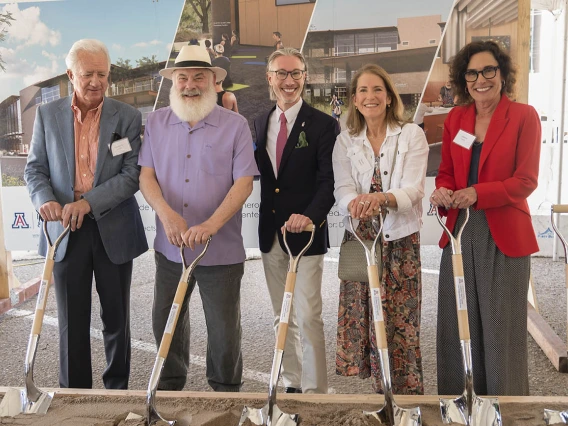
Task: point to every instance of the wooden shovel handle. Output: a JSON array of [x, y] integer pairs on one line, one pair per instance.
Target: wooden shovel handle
[[560, 208], [461, 300], [42, 296], [286, 310], [172, 320], [377, 307]]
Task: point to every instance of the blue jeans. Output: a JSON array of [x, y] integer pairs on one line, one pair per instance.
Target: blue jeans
[[219, 287]]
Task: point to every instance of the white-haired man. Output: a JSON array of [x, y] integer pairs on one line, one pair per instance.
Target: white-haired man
[[197, 171], [82, 170]]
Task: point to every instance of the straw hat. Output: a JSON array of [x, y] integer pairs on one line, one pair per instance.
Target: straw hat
[[193, 57]]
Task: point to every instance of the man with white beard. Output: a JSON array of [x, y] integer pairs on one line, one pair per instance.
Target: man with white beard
[[197, 171]]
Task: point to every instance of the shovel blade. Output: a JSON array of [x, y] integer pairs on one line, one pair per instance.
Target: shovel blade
[[484, 411], [259, 417], [552, 417], [400, 416], [16, 401]]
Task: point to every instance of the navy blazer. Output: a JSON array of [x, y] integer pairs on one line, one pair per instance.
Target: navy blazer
[[50, 175], [305, 180]]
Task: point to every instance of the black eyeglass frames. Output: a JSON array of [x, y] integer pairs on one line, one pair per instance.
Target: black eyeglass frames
[[283, 74], [487, 72]]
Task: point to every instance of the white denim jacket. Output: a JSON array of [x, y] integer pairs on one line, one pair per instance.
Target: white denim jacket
[[406, 183]]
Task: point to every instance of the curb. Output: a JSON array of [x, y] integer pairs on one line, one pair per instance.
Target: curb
[[20, 294]]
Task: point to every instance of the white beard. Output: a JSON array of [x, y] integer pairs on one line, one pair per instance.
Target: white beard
[[196, 109]]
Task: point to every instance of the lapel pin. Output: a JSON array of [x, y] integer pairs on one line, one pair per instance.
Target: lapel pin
[[303, 123]]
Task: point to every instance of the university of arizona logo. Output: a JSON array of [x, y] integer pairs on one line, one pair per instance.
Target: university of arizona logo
[[20, 221], [546, 234], [432, 210]]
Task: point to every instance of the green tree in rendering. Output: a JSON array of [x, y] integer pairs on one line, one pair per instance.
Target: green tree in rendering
[[201, 9], [5, 21]]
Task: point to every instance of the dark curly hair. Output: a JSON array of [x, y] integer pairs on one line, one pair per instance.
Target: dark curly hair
[[459, 64]]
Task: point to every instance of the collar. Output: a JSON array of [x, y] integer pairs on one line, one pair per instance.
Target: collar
[[76, 108], [291, 113], [213, 119]]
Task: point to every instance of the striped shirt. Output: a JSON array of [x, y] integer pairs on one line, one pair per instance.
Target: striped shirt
[[87, 131]]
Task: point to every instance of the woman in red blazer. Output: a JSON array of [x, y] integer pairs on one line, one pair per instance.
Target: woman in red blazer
[[490, 158]]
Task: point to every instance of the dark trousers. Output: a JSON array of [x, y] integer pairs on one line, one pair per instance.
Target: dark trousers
[[73, 287], [219, 288]]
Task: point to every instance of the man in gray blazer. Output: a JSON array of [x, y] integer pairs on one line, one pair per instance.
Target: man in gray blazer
[[82, 170]]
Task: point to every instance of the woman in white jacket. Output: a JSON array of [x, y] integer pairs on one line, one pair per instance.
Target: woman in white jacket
[[362, 160]]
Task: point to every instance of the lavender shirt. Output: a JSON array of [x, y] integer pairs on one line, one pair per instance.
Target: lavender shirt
[[196, 167]]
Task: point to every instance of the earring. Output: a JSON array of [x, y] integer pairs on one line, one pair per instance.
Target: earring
[[356, 107], [388, 105]]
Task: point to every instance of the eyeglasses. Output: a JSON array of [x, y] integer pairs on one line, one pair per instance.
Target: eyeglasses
[[283, 74], [487, 72]]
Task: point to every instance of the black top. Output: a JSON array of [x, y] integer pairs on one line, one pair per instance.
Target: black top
[[474, 165], [220, 98]]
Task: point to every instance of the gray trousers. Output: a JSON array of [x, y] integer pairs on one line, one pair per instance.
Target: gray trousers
[[496, 291], [219, 288]]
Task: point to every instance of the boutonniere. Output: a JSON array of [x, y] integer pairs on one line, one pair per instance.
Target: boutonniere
[[302, 141]]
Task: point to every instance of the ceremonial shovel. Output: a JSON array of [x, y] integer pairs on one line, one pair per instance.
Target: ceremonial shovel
[[390, 414], [468, 409], [152, 415], [551, 416], [32, 400], [270, 414]]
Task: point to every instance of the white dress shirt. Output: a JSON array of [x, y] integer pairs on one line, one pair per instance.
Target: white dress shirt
[[274, 128], [406, 183]]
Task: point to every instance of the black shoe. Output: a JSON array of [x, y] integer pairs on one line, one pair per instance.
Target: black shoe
[[293, 390]]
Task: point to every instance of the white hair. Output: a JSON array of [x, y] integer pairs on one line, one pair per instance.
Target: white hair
[[85, 45]]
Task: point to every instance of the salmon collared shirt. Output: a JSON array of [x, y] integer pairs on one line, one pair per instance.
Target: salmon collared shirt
[[87, 130]]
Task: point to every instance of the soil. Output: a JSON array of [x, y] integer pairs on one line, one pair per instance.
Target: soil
[[113, 410]]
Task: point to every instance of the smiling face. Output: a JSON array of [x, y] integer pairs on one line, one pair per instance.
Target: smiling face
[[89, 78], [193, 95], [371, 97], [288, 91], [484, 90]]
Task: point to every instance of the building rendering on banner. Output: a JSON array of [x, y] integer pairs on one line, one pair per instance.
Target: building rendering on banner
[[137, 87], [405, 51]]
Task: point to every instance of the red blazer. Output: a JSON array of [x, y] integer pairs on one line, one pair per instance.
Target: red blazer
[[508, 172]]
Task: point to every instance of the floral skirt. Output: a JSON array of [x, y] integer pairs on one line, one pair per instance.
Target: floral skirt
[[401, 297]]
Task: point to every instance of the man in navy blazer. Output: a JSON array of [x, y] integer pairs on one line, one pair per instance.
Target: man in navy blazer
[[294, 148], [82, 170]]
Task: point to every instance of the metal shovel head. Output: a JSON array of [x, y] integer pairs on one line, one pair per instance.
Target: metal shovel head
[[400, 416], [552, 417], [259, 416], [16, 401], [484, 411]]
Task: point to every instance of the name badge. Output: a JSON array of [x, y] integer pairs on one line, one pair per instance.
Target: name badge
[[360, 162], [120, 146], [464, 139]]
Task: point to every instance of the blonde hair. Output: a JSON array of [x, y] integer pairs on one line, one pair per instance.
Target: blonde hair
[[394, 113], [285, 51]]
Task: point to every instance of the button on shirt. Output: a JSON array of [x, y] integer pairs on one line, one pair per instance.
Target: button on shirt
[[274, 128], [87, 130], [195, 168]]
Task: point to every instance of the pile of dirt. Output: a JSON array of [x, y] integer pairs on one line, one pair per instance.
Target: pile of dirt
[[113, 410]]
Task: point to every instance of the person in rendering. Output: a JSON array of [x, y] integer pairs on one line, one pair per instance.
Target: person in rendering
[[197, 171], [446, 95], [490, 159], [222, 61], [226, 99], [277, 37], [365, 184], [294, 147], [82, 171]]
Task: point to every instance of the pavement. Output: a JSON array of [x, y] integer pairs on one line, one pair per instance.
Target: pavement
[[258, 338]]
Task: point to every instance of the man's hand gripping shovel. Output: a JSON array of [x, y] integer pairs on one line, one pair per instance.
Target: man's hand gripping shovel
[[270, 414], [152, 415], [390, 414], [551, 416], [468, 409], [32, 400]]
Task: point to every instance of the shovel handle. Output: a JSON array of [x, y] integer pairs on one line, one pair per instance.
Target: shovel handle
[[461, 300], [377, 307], [172, 319], [42, 296], [560, 208], [286, 310]]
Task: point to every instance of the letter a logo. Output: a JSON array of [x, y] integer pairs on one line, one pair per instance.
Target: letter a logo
[[432, 211], [20, 221]]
